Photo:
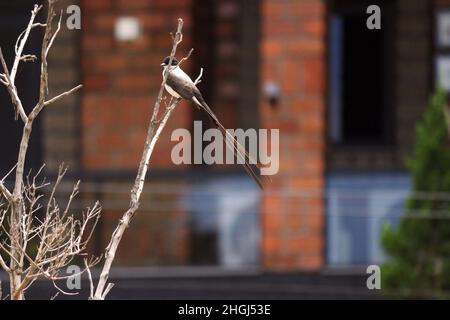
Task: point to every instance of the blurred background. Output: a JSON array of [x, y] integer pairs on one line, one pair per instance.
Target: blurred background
[[345, 98]]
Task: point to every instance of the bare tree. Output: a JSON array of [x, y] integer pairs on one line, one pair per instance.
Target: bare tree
[[41, 237], [153, 133], [60, 236]]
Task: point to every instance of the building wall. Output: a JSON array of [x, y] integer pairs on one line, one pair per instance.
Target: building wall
[[293, 56], [122, 80], [121, 83]]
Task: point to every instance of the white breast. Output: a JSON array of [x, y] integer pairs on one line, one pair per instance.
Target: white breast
[[172, 92]]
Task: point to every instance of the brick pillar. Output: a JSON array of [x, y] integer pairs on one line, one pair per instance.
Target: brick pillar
[[293, 56]]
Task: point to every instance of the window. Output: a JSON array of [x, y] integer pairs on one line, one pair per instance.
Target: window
[[360, 76]]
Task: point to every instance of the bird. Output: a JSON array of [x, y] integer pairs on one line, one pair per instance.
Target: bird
[[180, 86]]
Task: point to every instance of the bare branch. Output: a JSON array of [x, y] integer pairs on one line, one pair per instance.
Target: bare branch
[[28, 57], [62, 95], [9, 83], [39, 25], [3, 79], [54, 35], [176, 41], [3, 265], [6, 193], [153, 133], [64, 292], [185, 58], [60, 235], [20, 47], [55, 296], [9, 172], [91, 282], [199, 78], [107, 290]]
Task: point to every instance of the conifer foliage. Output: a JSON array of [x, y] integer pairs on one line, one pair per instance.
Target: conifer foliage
[[419, 248]]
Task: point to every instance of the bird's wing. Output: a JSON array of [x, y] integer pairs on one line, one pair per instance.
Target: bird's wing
[[182, 86]]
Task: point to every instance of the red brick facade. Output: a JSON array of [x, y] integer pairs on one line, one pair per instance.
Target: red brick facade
[[121, 82], [293, 55], [243, 45]]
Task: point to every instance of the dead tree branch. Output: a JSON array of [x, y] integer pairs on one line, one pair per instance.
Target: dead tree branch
[[154, 131], [60, 236]]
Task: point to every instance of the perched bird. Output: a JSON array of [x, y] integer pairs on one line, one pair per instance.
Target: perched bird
[[180, 85]]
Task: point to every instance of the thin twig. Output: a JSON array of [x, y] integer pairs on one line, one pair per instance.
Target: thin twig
[[91, 282], [199, 78], [62, 95], [6, 193], [9, 83], [186, 57], [21, 46], [54, 34]]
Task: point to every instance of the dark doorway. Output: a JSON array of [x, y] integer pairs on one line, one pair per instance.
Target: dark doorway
[[361, 73]]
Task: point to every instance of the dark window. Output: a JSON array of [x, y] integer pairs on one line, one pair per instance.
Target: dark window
[[13, 20], [360, 76]]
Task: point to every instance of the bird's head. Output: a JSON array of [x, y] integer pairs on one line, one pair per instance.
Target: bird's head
[[166, 61]]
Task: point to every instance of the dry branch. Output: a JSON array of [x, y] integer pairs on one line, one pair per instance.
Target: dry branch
[[155, 128], [60, 236]]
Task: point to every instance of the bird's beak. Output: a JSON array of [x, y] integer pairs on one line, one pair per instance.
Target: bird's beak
[[163, 64]]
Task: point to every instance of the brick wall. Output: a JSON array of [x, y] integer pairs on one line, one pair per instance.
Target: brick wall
[[159, 233], [122, 79], [293, 55], [121, 82]]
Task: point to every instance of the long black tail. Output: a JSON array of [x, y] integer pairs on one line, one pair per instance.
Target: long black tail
[[233, 144]]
